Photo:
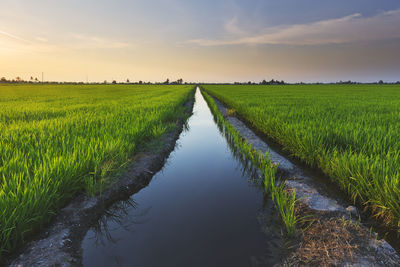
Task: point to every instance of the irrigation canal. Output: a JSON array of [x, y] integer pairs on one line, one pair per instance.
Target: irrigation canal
[[204, 208]]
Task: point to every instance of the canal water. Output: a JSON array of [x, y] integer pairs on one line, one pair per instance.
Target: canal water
[[204, 208]]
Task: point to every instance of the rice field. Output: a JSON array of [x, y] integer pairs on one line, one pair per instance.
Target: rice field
[[350, 132], [59, 140]]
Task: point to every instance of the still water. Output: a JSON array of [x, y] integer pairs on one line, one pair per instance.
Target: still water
[[202, 209]]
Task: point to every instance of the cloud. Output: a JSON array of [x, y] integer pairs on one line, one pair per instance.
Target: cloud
[[348, 29], [41, 39], [73, 41], [88, 41], [231, 27], [14, 37]]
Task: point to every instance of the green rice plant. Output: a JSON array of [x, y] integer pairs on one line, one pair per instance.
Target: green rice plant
[[285, 202], [60, 140], [350, 132]]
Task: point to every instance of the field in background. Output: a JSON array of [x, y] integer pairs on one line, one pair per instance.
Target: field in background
[[351, 132], [57, 140]]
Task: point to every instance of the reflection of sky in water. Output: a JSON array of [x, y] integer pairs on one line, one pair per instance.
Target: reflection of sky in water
[[200, 210]]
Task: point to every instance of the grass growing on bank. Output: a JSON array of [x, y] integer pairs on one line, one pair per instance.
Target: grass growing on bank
[[284, 201], [58, 140], [350, 132]]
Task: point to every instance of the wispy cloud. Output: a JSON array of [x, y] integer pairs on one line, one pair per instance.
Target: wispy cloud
[[41, 39], [14, 37], [231, 26], [348, 29], [73, 41], [89, 41]]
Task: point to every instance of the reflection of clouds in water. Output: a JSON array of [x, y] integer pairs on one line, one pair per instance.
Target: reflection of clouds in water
[[119, 216]]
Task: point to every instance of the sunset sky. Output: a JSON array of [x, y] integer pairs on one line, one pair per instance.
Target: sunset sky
[[208, 40]]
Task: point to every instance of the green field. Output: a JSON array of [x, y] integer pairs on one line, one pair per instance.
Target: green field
[[350, 132], [58, 140]]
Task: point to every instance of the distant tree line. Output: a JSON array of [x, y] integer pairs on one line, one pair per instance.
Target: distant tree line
[[36, 80], [378, 82], [19, 80], [271, 82], [180, 81], [263, 82]]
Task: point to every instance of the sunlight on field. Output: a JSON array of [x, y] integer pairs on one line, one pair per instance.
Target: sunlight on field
[[58, 140], [351, 132]]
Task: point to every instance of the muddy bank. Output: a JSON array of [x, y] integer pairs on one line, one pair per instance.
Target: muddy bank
[[355, 245], [60, 243]]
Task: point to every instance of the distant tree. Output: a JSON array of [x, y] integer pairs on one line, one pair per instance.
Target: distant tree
[[18, 79], [179, 81], [264, 82], [105, 82], [114, 82], [36, 79], [398, 82], [3, 80], [380, 82], [140, 82], [127, 80], [167, 81]]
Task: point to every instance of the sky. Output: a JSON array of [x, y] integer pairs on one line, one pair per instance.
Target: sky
[[201, 41]]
